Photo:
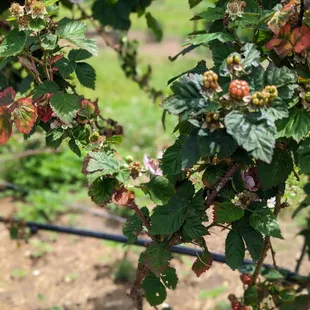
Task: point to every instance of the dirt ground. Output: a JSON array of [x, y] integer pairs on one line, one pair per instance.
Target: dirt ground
[[78, 272]]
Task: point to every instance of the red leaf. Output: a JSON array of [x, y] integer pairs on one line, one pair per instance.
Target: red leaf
[[300, 38], [202, 263], [280, 18], [44, 110], [123, 197], [7, 96], [25, 114], [5, 125]]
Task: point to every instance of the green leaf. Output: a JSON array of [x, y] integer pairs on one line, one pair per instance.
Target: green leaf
[[154, 25], [170, 278], [101, 190], [154, 290], [184, 153], [277, 171], [159, 189], [277, 111], [65, 106], [193, 3], [251, 56], [74, 32], [168, 218], [86, 74], [202, 263], [37, 24], [266, 222], [74, 147], [220, 52], [97, 164], [49, 41], [78, 55], [65, 67], [296, 126], [254, 133], [212, 14], [188, 98], [193, 228], [44, 88], [271, 274], [280, 76], [253, 240], [13, 43], [304, 156], [156, 257], [213, 174], [251, 296], [217, 141], [227, 212], [234, 250], [133, 226], [209, 37]]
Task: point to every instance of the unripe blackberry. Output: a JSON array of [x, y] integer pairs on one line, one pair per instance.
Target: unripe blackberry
[[210, 79], [307, 96], [260, 99], [271, 92]]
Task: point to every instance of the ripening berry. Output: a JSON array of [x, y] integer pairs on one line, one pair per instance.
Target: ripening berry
[[216, 116], [229, 60], [236, 306], [16, 10], [259, 99], [246, 278], [237, 59], [210, 79], [239, 89]]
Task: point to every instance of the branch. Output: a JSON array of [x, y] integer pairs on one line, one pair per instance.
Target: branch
[[301, 12], [232, 170], [266, 241], [301, 257], [273, 254]]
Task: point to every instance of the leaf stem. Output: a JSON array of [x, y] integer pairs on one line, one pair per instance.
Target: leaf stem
[[232, 170], [266, 241]]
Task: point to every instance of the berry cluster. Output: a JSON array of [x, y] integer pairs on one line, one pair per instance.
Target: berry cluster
[[210, 80], [212, 120], [233, 60], [267, 96], [239, 89], [246, 278]]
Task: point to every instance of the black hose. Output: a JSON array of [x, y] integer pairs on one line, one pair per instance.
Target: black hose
[[35, 227]]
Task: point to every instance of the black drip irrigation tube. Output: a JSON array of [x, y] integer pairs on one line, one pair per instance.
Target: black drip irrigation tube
[[219, 258]]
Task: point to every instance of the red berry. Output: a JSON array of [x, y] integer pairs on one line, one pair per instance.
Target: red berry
[[246, 278], [239, 89]]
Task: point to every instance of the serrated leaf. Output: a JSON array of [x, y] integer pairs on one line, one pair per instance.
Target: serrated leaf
[[170, 278], [74, 147], [193, 228], [251, 56], [49, 41], [272, 274], [13, 43], [5, 125], [65, 67], [266, 222], [65, 106], [25, 115], [156, 257], [154, 25], [253, 132], [7, 96], [37, 24], [234, 249], [304, 156], [202, 263], [159, 189], [100, 163], [220, 52], [78, 55], [54, 138], [212, 14], [183, 154], [213, 174], [209, 37], [277, 171], [74, 32], [44, 88], [277, 111], [253, 240], [154, 290], [168, 218], [86, 75], [280, 76], [296, 126], [251, 296], [101, 190], [227, 212], [193, 3], [133, 226]]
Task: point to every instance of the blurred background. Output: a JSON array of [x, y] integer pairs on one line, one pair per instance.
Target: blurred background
[[63, 272]]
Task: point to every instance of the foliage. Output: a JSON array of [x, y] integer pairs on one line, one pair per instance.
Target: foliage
[[243, 127]]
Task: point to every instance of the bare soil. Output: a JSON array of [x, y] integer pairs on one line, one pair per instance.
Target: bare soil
[[78, 273]]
